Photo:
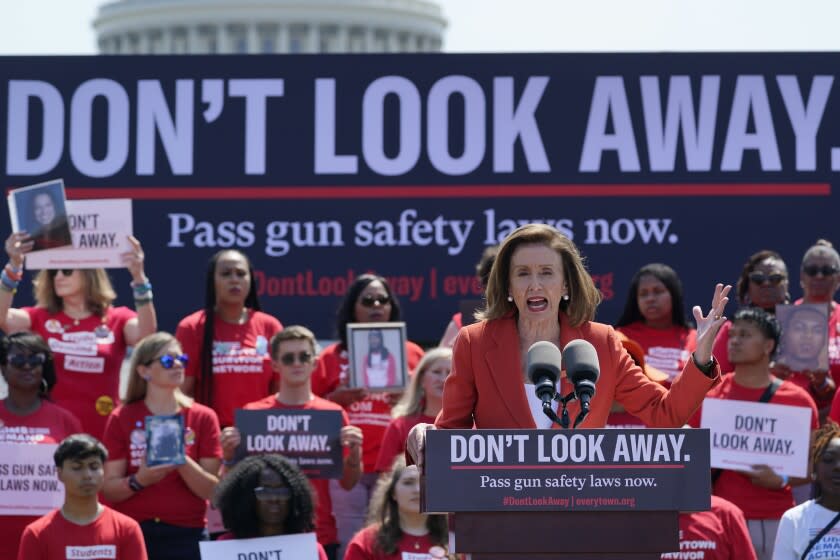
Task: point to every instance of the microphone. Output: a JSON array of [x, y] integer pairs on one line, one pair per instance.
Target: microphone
[[582, 369], [544, 360]]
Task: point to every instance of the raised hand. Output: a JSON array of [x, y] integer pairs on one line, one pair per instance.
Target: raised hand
[[17, 245], [134, 261], [709, 324]]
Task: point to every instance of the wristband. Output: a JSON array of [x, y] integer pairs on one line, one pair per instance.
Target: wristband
[[12, 273], [140, 289], [227, 463], [8, 283], [785, 480], [16, 270], [134, 484]]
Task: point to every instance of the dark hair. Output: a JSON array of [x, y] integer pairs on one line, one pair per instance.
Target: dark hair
[[667, 276], [385, 512], [205, 370], [34, 343], [236, 500], [347, 312], [742, 287], [482, 269], [766, 323], [383, 350], [822, 437], [78, 447]]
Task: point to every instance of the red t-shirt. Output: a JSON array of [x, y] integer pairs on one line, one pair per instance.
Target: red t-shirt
[[241, 359], [393, 443], [170, 500], [49, 424], [803, 379], [755, 501], [718, 534], [324, 520], [88, 356], [112, 536], [665, 349], [373, 413], [363, 547], [322, 554]]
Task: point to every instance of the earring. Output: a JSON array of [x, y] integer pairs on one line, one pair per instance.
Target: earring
[[565, 297], [45, 388], [510, 298]]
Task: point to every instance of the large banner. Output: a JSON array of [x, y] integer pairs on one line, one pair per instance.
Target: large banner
[[324, 167]]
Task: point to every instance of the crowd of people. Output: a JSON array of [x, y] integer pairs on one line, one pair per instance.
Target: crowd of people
[[61, 360]]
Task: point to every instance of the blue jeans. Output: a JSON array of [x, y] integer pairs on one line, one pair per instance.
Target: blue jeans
[[170, 542]]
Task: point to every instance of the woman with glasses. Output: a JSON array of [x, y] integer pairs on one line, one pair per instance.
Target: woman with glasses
[[266, 496], [654, 316], [229, 339], [368, 300], [27, 416], [396, 527], [763, 283], [421, 403], [169, 501], [88, 335]]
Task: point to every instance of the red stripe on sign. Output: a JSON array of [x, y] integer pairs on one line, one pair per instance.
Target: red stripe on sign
[[560, 467], [453, 191]]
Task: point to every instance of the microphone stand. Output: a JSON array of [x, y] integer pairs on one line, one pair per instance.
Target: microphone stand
[[563, 420]]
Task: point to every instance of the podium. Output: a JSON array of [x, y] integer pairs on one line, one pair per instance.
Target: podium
[[552, 494]]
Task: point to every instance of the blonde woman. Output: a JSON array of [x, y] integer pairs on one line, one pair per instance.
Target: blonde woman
[[169, 501], [421, 403], [87, 334]]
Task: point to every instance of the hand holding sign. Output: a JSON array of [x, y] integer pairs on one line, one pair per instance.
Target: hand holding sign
[[764, 476], [134, 261], [147, 476], [230, 440], [351, 438], [17, 245]]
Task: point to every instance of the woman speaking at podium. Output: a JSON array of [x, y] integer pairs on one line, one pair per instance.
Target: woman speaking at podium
[[539, 290]]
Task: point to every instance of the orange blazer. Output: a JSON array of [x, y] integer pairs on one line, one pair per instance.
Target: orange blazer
[[486, 387]]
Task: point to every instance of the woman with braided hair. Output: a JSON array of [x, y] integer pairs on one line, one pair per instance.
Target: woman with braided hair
[[810, 531], [264, 496]]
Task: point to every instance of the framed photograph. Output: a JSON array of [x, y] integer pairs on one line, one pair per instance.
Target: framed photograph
[[41, 211], [165, 440], [804, 343], [377, 356]]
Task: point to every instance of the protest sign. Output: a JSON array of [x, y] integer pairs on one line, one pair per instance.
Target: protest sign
[[302, 546], [745, 433], [28, 481], [309, 438], [100, 230], [40, 210]]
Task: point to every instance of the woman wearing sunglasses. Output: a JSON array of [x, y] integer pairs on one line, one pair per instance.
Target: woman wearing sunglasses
[[169, 501], [368, 300], [88, 335], [266, 496], [27, 416], [763, 283], [654, 316], [229, 339]]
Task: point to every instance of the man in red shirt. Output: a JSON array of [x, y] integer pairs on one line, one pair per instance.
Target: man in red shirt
[[293, 357], [82, 528]]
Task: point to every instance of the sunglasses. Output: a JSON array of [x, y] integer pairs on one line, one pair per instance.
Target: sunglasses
[[64, 271], [825, 270], [33, 360], [168, 360], [302, 357], [370, 301], [268, 493], [760, 278]]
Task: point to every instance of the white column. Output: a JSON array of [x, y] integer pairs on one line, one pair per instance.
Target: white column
[[169, 40], [370, 42], [343, 39], [253, 38], [193, 46], [313, 38], [282, 38], [222, 39], [144, 42], [393, 42]]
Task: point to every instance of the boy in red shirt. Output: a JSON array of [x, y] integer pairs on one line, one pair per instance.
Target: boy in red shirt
[[293, 358], [82, 528]]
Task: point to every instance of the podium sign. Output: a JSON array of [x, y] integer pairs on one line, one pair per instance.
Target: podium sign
[[563, 470]]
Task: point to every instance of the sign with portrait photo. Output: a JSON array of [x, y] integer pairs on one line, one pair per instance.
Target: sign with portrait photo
[[41, 211], [377, 355], [165, 440], [804, 342], [99, 228]]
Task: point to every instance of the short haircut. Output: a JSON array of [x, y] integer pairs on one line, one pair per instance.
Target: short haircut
[[34, 344], [766, 323], [292, 332], [77, 447]]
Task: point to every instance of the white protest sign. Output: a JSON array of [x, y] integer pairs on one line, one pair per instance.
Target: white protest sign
[[746, 433], [100, 230], [302, 546], [28, 483]]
